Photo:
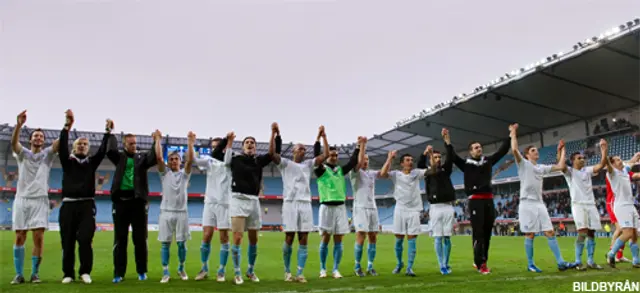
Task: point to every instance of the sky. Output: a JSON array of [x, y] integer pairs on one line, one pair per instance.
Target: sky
[[356, 67]]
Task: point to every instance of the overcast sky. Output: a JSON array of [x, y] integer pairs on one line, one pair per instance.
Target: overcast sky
[[214, 66]]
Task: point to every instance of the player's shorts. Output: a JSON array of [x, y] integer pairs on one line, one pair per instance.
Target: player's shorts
[[612, 214], [30, 213], [441, 219], [366, 220], [627, 216], [333, 219], [297, 216], [172, 224], [248, 207], [586, 216], [216, 215], [406, 222], [533, 217]]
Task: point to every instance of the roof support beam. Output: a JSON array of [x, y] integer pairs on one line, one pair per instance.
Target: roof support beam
[[537, 105], [623, 53], [496, 118], [595, 89]]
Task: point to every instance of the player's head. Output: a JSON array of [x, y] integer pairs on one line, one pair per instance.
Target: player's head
[[616, 162], [298, 152], [437, 157], [577, 160], [333, 156], [174, 161], [249, 145], [130, 143], [406, 161], [81, 147], [215, 142], [475, 150], [365, 162], [36, 139], [531, 153]]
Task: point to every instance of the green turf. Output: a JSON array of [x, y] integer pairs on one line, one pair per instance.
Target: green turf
[[507, 262]]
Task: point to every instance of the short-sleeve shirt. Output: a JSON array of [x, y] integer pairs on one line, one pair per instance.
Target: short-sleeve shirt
[[363, 183], [580, 185], [406, 189], [531, 177], [33, 172], [218, 188], [174, 190], [296, 179]]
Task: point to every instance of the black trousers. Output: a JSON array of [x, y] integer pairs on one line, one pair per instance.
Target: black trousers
[[127, 213], [77, 224], [483, 215]]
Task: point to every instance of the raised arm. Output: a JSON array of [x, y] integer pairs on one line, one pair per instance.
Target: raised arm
[[384, 172], [513, 133], [264, 160], [15, 137], [502, 151], [190, 152], [63, 152], [97, 158], [159, 157], [561, 165], [276, 143], [228, 145], [422, 161], [150, 157], [635, 159], [450, 151], [362, 142], [319, 156], [604, 152]]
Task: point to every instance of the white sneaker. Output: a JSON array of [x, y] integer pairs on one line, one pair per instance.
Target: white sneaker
[[239, 280], [301, 279], [323, 274], [288, 277], [253, 278], [67, 280], [165, 279], [220, 278], [86, 278], [202, 275], [337, 275], [183, 275]]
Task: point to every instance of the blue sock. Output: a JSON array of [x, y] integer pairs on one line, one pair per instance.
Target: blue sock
[[528, 248], [337, 255], [302, 258], [286, 255], [35, 264], [634, 252], [18, 259], [591, 248], [399, 246], [224, 257], [164, 256], [235, 257], [252, 253], [579, 248], [371, 255], [439, 251], [412, 253], [358, 255], [447, 250], [182, 255], [205, 250], [616, 246], [553, 244], [324, 252]]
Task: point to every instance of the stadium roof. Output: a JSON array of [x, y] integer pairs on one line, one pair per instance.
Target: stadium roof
[[599, 76]]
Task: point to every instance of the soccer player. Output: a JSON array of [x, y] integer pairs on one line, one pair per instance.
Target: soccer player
[[365, 212], [619, 176], [583, 204], [533, 215], [30, 210], [441, 195], [478, 170], [297, 214], [244, 205], [216, 211], [333, 212], [610, 200], [77, 214], [406, 215], [129, 193], [174, 218]]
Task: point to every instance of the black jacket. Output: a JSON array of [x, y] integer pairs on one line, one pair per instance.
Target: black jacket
[[438, 180], [478, 172], [79, 174], [142, 163]]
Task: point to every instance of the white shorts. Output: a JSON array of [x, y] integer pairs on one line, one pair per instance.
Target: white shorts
[[406, 222], [366, 220], [627, 216], [297, 216], [246, 206], [333, 219], [534, 217], [441, 219], [172, 224], [586, 216], [216, 215], [30, 213]]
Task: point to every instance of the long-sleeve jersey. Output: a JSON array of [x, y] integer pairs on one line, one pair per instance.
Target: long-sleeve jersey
[[79, 173], [478, 172], [438, 179]]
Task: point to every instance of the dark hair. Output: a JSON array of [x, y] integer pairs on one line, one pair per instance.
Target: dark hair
[[174, 153], [332, 148], [404, 156], [248, 137], [437, 152], [573, 156], [472, 143], [128, 135], [217, 139], [36, 130], [526, 151]]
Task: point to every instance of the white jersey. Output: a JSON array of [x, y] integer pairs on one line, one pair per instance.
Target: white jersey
[[364, 183], [33, 172], [174, 190], [580, 185], [406, 189], [296, 179], [218, 180], [531, 177], [621, 186]]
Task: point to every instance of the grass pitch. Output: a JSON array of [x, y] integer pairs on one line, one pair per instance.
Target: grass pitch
[[507, 261]]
